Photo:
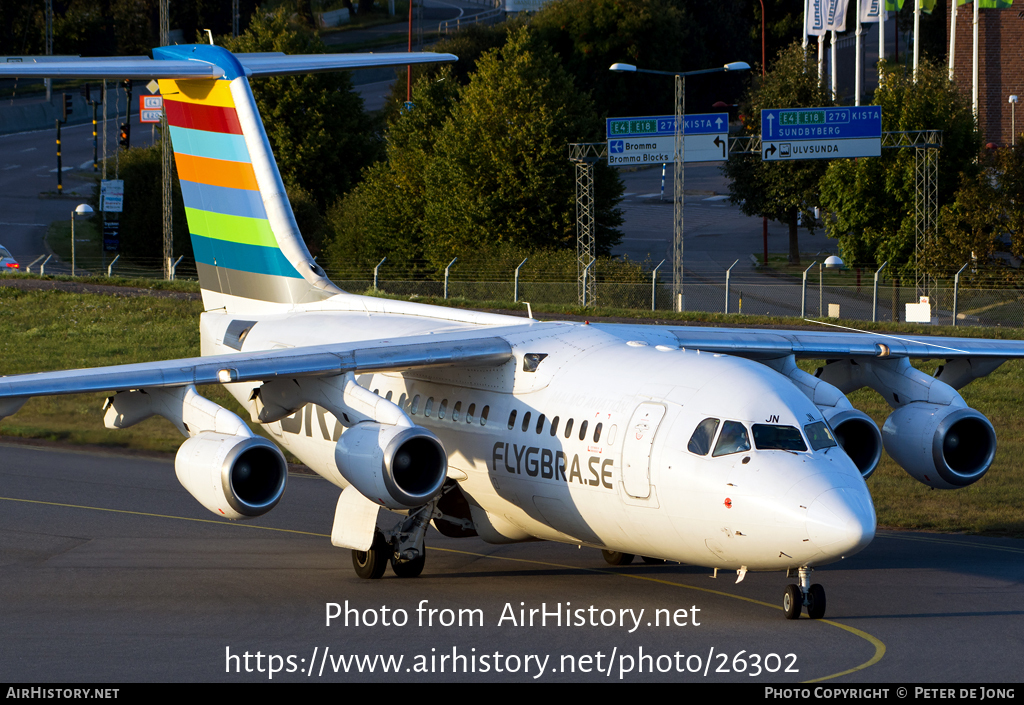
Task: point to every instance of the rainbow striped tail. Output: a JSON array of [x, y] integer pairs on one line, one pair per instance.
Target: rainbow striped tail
[[248, 249], [247, 246]]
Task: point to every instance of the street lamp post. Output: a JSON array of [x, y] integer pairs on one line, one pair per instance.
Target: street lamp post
[[82, 209], [678, 300]]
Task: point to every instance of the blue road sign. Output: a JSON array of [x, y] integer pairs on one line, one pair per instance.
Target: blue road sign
[[665, 125], [821, 123]]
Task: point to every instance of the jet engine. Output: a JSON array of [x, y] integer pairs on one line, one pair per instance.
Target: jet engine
[[945, 447], [399, 467], [858, 435], [238, 477]]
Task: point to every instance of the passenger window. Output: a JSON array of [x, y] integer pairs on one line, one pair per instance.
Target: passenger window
[[554, 426], [429, 407], [526, 421], [768, 437], [597, 433], [415, 405], [540, 423], [483, 416], [377, 391], [700, 441], [401, 401], [470, 412], [443, 409], [455, 411], [583, 430], [568, 428], [611, 434], [733, 439], [512, 420], [389, 394]]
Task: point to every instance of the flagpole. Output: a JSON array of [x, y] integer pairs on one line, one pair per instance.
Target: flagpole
[[821, 59], [917, 35], [857, 63], [881, 40], [974, 91], [835, 87], [806, 3], [952, 39]]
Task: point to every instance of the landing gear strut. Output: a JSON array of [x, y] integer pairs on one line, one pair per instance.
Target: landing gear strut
[[803, 595], [403, 546]]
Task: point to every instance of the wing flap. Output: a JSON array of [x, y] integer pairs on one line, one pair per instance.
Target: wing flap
[[765, 344]]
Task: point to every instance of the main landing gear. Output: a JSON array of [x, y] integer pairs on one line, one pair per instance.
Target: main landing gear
[[803, 595], [403, 547]]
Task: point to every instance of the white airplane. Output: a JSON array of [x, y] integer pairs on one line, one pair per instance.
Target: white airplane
[[705, 446]]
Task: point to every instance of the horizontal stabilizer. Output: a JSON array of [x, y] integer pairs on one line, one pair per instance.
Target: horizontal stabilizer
[[267, 64]]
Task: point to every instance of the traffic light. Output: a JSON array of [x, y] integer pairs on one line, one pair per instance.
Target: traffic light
[[84, 92], [123, 141], [67, 107]]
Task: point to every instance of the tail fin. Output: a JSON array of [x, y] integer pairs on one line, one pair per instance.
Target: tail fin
[[247, 246]]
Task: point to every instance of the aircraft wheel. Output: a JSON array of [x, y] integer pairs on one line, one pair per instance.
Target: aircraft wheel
[[653, 561], [792, 601], [816, 602], [409, 569], [617, 557], [371, 564]]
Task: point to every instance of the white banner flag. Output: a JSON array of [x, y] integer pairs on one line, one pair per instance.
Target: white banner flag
[[835, 15], [814, 18], [823, 16], [869, 10]]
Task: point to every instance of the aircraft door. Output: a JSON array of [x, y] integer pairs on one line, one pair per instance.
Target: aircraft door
[[636, 449]]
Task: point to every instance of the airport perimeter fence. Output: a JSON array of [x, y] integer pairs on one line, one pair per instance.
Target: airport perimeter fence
[[750, 291]]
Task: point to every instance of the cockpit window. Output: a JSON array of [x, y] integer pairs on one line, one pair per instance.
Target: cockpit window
[[768, 437], [733, 439], [819, 436], [700, 441]]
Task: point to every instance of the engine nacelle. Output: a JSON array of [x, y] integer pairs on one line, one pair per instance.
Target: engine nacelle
[[858, 435], [238, 477], [945, 447], [399, 467]]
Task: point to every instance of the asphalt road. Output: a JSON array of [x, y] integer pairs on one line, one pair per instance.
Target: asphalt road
[[110, 571], [28, 180]]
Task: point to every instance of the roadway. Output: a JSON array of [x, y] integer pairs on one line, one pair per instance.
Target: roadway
[[111, 572]]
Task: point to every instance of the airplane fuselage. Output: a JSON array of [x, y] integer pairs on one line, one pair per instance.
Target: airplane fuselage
[[583, 438]]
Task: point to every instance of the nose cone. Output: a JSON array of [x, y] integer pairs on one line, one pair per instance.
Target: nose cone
[[841, 521]]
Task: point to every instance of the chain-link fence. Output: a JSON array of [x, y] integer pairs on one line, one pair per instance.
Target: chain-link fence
[[752, 291]]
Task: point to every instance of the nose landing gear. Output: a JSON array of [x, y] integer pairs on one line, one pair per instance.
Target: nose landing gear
[[803, 595]]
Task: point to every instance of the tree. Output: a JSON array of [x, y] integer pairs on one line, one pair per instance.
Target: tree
[[481, 166], [320, 135], [869, 203], [668, 35], [782, 191]]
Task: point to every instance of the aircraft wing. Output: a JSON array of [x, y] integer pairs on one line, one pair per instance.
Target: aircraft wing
[[310, 361], [756, 343]]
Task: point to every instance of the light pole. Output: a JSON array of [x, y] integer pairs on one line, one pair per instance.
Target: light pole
[[678, 301], [82, 209]]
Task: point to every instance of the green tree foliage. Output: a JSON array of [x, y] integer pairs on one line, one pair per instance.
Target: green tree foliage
[[985, 222], [665, 35], [141, 226], [481, 166], [782, 191], [870, 202], [317, 128]]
